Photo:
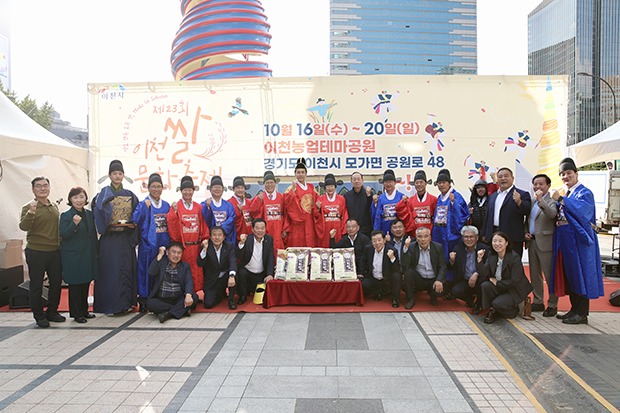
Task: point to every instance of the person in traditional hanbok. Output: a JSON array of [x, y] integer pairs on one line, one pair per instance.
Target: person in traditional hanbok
[[383, 209], [269, 206], [243, 219], [451, 214], [418, 210], [333, 212], [151, 217], [218, 212], [301, 213], [187, 226], [116, 290], [576, 256]]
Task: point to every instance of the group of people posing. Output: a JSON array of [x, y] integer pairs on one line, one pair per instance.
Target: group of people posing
[[224, 248]]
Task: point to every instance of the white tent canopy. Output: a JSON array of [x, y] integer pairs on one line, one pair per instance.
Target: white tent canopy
[[28, 150], [599, 148]]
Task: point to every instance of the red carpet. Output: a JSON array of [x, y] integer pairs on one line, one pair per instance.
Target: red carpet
[[371, 306]]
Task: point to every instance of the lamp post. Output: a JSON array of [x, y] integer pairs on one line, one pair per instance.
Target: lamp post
[[613, 95]]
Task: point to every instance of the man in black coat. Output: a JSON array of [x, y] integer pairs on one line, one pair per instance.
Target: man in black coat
[[508, 211], [428, 267], [354, 239], [378, 267], [172, 294], [358, 201], [219, 267], [256, 255], [463, 260], [397, 240]]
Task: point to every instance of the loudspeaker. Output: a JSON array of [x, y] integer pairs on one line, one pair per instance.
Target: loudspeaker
[[21, 296], [10, 278], [614, 298]]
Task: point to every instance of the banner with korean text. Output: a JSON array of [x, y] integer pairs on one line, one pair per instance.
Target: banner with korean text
[[470, 125]]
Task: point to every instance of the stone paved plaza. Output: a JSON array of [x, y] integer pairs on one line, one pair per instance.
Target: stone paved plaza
[[300, 362]]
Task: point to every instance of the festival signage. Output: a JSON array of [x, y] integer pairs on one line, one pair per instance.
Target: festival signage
[[471, 125]]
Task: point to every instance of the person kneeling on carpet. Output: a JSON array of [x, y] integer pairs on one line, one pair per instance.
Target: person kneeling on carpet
[[173, 288], [427, 262], [506, 284], [379, 266], [219, 266]]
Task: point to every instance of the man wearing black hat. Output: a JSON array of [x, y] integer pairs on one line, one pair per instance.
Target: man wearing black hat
[[301, 213], [269, 205], [151, 217], [451, 214], [508, 209], [383, 209], [418, 210], [358, 203], [576, 257], [243, 219], [219, 212], [333, 212], [116, 290], [187, 226]]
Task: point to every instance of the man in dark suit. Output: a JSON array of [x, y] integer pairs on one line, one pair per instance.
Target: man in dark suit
[[378, 267], [508, 210], [397, 240], [219, 267], [255, 252], [428, 267], [172, 294], [354, 239], [467, 281]]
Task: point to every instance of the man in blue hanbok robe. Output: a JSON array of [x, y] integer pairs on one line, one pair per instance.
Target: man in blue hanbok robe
[[576, 256], [383, 208], [218, 212], [450, 216], [116, 290], [151, 217]]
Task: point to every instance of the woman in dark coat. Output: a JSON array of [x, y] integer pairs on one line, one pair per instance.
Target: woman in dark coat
[[79, 249], [506, 284]]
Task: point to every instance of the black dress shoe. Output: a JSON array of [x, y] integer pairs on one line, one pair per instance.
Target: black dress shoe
[[576, 319], [477, 309], [378, 297], [449, 297], [90, 315], [550, 312], [164, 316], [188, 312], [80, 320], [43, 323], [395, 303], [55, 317], [410, 304], [491, 317], [565, 315], [434, 301], [232, 305], [538, 307], [242, 299], [469, 304]]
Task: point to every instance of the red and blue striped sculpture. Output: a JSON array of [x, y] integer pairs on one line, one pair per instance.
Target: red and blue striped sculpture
[[211, 31]]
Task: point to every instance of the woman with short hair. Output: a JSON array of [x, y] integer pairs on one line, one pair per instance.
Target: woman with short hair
[[79, 250]]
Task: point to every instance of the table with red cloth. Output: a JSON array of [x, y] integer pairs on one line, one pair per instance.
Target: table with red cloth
[[280, 292]]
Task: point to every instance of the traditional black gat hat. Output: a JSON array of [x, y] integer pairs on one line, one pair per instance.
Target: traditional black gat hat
[[301, 164], [238, 181], [216, 180], [330, 179], [187, 182], [268, 176], [388, 175], [567, 164], [420, 174], [116, 165], [443, 176], [155, 177]]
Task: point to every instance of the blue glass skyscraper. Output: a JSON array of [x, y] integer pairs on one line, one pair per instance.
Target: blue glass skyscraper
[[406, 37], [567, 37]]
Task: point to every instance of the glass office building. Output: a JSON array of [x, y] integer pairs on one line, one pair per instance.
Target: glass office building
[[567, 37], [407, 37]]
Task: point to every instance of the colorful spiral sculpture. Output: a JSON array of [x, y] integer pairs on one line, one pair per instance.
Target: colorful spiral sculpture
[[211, 31]]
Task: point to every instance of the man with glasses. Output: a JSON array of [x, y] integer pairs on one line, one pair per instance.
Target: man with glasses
[[463, 261], [40, 220]]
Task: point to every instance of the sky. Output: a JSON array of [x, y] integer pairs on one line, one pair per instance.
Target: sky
[[59, 46]]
